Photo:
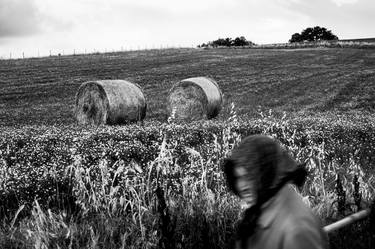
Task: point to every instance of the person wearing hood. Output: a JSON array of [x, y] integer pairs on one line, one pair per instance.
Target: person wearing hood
[[260, 171]]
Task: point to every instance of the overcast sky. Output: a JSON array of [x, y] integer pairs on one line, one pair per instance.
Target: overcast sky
[[38, 26]]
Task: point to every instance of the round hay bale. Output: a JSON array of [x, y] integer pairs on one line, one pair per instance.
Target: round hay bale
[[195, 98], [109, 102]]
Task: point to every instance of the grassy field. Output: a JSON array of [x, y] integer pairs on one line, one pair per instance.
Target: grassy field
[[160, 185], [301, 81]]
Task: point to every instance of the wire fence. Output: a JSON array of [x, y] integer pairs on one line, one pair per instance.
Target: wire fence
[[72, 52]]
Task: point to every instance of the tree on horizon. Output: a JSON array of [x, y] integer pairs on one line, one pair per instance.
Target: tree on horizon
[[316, 33]]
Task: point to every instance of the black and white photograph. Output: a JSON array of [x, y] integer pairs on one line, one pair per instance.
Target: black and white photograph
[[175, 124]]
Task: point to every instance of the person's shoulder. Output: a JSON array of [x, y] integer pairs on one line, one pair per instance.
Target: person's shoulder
[[304, 229], [296, 212]]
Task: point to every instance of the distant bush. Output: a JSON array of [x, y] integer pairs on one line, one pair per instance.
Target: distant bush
[[228, 42]]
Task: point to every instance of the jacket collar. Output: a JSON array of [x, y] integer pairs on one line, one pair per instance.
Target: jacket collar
[[271, 208]]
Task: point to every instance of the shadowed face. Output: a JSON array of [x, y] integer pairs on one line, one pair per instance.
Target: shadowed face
[[245, 185]]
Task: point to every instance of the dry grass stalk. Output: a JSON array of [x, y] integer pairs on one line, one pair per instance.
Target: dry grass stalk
[[109, 102]]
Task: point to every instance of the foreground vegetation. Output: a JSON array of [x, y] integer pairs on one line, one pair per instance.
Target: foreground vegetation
[[151, 187]]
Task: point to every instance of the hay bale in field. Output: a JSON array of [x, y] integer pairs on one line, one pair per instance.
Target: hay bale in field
[[195, 98], [109, 102]]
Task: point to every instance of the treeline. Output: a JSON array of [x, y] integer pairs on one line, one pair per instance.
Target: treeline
[[311, 34], [228, 42]]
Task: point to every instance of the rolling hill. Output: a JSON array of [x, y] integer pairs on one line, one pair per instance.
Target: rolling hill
[[299, 81]]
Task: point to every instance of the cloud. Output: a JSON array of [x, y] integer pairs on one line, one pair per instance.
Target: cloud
[[18, 18], [111, 24], [342, 2], [346, 20]]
